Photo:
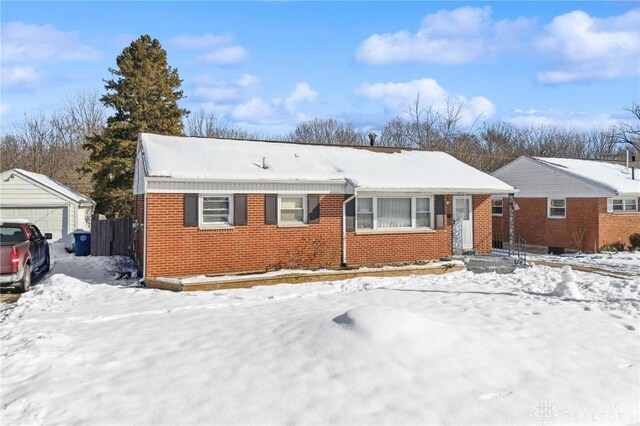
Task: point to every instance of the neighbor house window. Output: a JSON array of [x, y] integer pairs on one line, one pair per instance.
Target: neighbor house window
[[215, 210], [557, 208], [364, 213], [624, 204], [496, 206], [394, 212], [292, 210]]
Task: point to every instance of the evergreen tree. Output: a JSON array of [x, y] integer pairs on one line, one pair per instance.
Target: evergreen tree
[[144, 94]]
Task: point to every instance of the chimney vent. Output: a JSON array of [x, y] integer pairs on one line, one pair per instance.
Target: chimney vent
[[372, 138]]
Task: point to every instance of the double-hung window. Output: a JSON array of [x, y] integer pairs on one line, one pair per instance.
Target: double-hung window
[[292, 210], [557, 208], [389, 213], [624, 205], [496, 206], [423, 212], [216, 210], [364, 215]]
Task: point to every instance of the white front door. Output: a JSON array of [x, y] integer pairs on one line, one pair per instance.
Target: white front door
[[463, 220]]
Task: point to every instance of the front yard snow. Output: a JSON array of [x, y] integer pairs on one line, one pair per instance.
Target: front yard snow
[[457, 348]]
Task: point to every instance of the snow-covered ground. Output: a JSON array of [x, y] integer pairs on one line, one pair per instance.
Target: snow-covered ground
[[626, 262], [540, 346]]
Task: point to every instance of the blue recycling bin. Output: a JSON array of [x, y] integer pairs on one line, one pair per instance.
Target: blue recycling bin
[[82, 243]]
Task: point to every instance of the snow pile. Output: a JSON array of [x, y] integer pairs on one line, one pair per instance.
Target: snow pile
[[457, 348], [384, 323], [567, 288]]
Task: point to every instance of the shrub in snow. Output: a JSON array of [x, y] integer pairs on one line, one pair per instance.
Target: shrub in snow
[[567, 288], [634, 240]]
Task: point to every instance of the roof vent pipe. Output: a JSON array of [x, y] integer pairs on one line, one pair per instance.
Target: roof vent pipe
[[372, 138]]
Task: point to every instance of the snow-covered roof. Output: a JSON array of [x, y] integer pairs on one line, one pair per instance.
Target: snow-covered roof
[[615, 177], [366, 169], [54, 185]]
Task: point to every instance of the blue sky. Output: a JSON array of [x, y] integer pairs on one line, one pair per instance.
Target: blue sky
[[269, 65]]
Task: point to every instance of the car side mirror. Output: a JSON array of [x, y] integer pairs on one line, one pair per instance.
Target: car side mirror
[[48, 235]]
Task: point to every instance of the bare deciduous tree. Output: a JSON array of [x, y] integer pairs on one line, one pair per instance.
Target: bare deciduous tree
[[52, 144], [327, 131]]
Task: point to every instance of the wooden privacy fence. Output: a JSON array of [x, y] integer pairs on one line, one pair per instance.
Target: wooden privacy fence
[[110, 237]]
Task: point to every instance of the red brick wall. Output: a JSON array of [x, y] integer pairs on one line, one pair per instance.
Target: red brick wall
[[500, 224], [482, 226], [585, 216], [616, 227], [173, 250]]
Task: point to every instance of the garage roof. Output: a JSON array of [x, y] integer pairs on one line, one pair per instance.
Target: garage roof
[[52, 185]]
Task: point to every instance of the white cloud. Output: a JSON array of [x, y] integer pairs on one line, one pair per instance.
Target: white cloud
[[248, 80], [226, 55], [24, 43], [216, 90], [302, 92], [556, 118], [240, 100], [458, 36], [201, 42], [4, 109], [581, 47], [398, 97], [220, 49], [23, 75], [255, 110]]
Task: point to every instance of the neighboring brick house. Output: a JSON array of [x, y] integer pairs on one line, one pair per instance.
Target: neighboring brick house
[[215, 206], [569, 204]]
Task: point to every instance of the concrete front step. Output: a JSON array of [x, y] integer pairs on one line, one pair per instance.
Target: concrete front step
[[482, 264]]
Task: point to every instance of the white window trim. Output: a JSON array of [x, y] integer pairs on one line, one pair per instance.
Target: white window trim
[[304, 211], [413, 228], [623, 199], [501, 207], [549, 208], [206, 225]]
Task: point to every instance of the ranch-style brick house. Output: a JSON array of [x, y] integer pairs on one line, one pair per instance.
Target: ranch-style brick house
[[216, 206], [569, 204]]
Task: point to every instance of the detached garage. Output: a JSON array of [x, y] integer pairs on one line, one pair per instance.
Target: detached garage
[[51, 205]]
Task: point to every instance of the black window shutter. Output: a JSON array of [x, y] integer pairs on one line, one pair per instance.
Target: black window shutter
[[350, 213], [439, 210], [271, 209], [190, 209], [313, 206], [240, 209]]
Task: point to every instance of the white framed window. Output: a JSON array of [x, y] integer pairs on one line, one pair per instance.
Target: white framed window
[[557, 208], [292, 210], [394, 212], [621, 205], [496, 206], [215, 210], [423, 213], [364, 213]]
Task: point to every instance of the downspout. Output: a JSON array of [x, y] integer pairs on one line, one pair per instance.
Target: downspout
[[144, 237], [344, 223]]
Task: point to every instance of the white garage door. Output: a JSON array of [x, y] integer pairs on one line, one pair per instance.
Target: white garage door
[[48, 219]]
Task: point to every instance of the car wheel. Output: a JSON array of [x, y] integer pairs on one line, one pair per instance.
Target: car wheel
[[26, 280], [47, 264]]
